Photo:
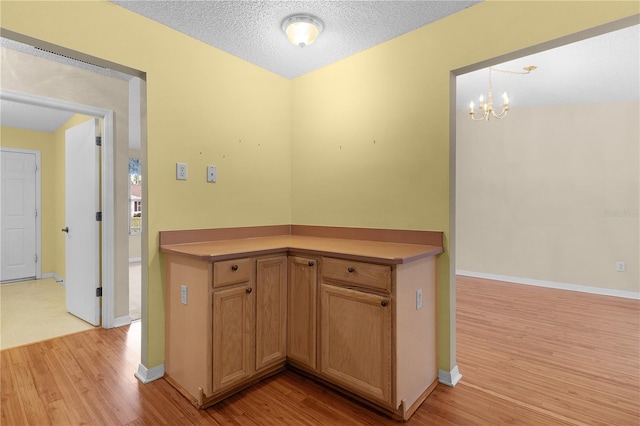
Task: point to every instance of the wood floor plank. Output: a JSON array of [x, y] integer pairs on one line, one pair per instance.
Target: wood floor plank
[[530, 356]]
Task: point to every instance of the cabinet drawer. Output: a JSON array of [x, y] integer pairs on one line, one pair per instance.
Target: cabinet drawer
[[377, 277], [231, 272]]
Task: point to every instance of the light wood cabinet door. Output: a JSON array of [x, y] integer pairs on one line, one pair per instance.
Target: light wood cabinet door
[[303, 285], [232, 338], [355, 345], [271, 311]]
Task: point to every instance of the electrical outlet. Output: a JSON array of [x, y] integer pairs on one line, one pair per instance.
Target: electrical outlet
[[419, 299], [181, 171], [620, 266], [183, 294], [212, 173]]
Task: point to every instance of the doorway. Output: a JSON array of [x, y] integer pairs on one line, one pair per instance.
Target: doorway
[[480, 152], [107, 244]]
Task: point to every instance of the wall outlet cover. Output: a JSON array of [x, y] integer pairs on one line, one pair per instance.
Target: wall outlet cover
[[212, 173]]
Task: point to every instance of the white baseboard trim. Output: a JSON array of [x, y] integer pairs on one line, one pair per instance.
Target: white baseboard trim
[[146, 375], [552, 284], [449, 378], [53, 275], [135, 259], [120, 321]]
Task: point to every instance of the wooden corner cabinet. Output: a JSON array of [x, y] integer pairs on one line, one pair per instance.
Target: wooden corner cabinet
[[225, 324], [358, 316]]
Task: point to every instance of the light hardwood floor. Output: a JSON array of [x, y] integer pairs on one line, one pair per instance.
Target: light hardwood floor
[[529, 356]]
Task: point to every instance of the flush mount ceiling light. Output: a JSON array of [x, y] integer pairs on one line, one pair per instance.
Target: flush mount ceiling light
[[302, 29]]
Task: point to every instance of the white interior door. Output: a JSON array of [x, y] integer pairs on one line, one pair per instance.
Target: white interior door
[[82, 201], [18, 215]]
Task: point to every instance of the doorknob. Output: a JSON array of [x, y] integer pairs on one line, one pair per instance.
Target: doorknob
[[66, 229]]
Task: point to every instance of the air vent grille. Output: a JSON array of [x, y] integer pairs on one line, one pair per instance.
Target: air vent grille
[[69, 57]]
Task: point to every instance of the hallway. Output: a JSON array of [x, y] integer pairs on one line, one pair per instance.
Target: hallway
[[31, 311]]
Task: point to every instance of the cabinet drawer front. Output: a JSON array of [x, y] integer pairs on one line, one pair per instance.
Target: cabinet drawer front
[[377, 277], [231, 272]]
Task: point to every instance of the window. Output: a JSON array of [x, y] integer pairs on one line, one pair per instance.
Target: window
[[135, 196]]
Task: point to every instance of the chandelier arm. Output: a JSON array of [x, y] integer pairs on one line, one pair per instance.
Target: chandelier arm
[[526, 71], [503, 114]]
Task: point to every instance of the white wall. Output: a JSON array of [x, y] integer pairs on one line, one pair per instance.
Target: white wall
[[551, 193]]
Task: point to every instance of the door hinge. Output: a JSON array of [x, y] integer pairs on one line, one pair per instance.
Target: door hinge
[[99, 140], [99, 292], [36, 257], [99, 216], [36, 212]]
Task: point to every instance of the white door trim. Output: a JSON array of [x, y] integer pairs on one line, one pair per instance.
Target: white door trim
[[38, 205], [108, 148]]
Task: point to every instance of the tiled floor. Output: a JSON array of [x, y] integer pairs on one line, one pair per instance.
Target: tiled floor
[[31, 311]]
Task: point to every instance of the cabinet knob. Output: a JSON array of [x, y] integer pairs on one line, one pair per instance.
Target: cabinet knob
[[310, 263], [351, 269], [234, 267], [249, 290], [384, 303]]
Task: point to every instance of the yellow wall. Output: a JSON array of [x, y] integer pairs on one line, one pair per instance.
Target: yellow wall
[[207, 107], [203, 107], [11, 137], [371, 132]]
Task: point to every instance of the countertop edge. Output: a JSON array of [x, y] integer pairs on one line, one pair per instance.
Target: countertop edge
[[174, 249]]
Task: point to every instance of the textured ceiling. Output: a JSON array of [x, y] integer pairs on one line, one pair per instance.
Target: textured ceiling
[[251, 29]]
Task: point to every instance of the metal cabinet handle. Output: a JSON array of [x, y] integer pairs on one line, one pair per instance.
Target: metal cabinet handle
[[249, 290], [350, 269], [384, 303], [310, 263], [234, 267], [66, 229]]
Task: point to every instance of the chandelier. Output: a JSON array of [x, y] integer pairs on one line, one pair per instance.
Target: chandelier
[[486, 110]]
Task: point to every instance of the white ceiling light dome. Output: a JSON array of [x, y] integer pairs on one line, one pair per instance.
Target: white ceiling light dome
[[302, 29]]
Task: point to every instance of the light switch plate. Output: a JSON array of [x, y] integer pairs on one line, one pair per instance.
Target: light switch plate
[[212, 173], [181, 171]]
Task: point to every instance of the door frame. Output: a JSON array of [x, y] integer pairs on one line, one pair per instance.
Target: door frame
[[38, 204], [107, 187]]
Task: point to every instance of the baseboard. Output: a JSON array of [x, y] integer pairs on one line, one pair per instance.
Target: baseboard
[[135, 259], [53, 275], [552, 284], [449, 378], [120, 321], [146, 375]]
